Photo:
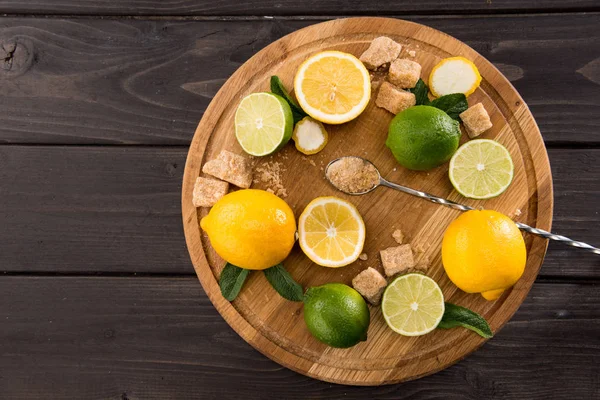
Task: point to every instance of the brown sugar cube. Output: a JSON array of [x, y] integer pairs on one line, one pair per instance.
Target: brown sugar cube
[[422, 267], [397, 259], [370, 284], [398, 236], [393, 99], [476, 120], [382, 50], [404, 73], [208, 191], [230, 167]]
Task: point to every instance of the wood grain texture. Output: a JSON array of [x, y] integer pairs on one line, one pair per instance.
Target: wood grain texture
[[284, 7], [94, 185], [91, 209], [268, 322], [154, 338], [86, 81], [113, 210]]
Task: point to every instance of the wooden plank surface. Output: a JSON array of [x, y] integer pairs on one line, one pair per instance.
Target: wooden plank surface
[[159, 338], [284, 7], [86, 210], [92, 209], [90, 81], [116, 209]]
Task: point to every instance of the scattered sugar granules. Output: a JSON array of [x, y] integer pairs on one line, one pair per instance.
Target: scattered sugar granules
[[269, 173], [308, 160], [412, 53], [363, 257], [398, 236], [518, 212]]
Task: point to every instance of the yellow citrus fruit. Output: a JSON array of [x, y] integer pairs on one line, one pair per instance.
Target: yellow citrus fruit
[[454, 75], [331, 232], [483, 252], [333, 87], [310, 136], [252, 229]]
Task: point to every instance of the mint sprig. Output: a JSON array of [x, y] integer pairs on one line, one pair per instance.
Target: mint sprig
[[455, 316], [283, 283], [231, 281], [280, 90], [452, 104], [233, 278], [420, 91]]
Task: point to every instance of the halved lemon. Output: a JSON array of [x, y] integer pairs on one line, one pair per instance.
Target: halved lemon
[[454, 75], [331, 232], [333, 87], [413, 305]]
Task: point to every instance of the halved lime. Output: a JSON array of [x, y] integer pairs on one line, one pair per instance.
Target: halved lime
[[413, 305], [481, 169], [263, 123]]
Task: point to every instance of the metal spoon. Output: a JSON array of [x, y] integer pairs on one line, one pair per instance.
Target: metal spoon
[[457, 206]]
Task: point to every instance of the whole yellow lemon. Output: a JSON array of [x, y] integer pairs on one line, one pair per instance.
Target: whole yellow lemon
[[251, 229], [483, 252]]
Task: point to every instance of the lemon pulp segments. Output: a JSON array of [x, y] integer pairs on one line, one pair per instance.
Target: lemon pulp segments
[[263, 123], [413, 305], [481, 169], [333, 87], [331, 232]]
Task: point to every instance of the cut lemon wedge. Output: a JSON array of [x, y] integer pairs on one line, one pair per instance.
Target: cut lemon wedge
[[333, 87], [413, 305], [454, 75], [310, 136], [331, 232]]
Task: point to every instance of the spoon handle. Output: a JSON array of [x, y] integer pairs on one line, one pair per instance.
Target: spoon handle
[[461, 207], [558, 238], [427, 196]]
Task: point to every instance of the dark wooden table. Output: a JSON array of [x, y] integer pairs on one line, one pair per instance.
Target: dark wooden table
[[98, 103]]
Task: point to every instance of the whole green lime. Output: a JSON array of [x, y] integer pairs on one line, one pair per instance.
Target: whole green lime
[[336, 314], [423, 137]]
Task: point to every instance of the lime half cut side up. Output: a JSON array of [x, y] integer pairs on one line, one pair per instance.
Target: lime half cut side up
[[263, 123], [481, 169], [413, 305]]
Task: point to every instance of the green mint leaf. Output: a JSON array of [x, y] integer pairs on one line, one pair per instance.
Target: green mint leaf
[[455, 316], [231, 281], [453, 104], [420, 91], [283, 283], [278, 89]]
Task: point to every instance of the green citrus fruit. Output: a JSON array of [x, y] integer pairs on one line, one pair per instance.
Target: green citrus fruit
[[263, 123], [413, 305], [336, 314], [481, 169], [423, 137]]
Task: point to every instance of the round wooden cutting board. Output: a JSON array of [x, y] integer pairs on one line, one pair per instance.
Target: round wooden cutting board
[[275, 326]]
